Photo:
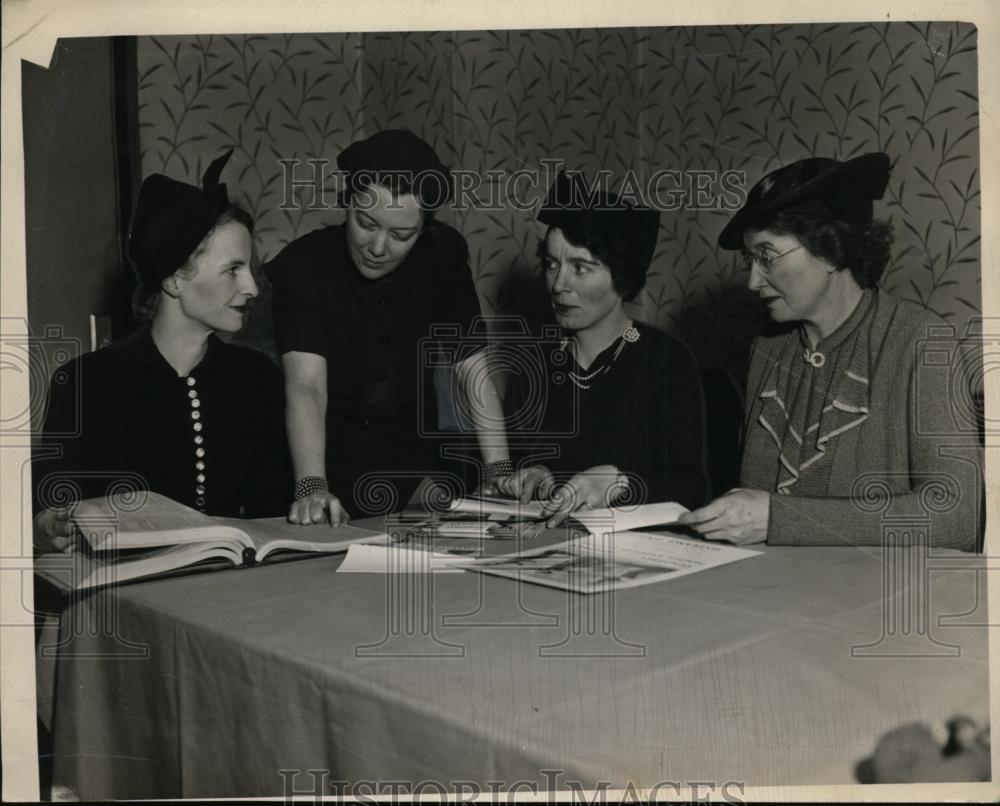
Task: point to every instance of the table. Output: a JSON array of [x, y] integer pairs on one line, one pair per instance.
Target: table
[[780, 669]]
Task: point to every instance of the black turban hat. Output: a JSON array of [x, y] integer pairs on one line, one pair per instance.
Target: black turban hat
[[171, 219], [628, 231], [816, 186], [401, 161]]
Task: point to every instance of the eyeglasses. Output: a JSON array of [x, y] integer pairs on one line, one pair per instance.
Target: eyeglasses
[[765, 261]]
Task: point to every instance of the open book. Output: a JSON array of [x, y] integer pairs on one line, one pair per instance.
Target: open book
[[119, 540]]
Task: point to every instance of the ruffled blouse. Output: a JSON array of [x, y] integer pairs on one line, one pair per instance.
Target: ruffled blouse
[[812, 396]]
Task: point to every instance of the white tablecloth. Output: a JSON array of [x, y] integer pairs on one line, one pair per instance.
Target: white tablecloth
[[755, 673]]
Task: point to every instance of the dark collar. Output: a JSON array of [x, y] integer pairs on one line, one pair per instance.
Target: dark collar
[[139, 348]]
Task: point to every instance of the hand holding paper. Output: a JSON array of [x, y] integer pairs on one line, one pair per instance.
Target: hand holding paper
[[596, 487], [740, 516]]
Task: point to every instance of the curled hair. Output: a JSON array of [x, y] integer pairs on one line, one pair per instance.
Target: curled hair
[[627, 276], [146, 300], [862, 249]]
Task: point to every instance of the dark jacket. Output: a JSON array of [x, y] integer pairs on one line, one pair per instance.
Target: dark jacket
[[121, 418], [644, 414]]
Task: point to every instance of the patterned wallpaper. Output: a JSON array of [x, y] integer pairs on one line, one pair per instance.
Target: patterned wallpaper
[[633, 101]]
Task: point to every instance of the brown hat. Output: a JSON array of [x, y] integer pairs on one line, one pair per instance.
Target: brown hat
[[816, 186]]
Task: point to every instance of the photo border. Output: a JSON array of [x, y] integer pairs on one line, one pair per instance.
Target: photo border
[[30, 30]]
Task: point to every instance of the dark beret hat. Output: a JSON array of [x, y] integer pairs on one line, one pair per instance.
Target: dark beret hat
[[389, 155], [171, 219], [816, 186], [630, 231]]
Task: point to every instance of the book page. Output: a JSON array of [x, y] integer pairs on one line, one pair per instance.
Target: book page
[[396, 559], [117, 522], [491, 505], [606, 561], [579, 572], [471, 525], [79, 570], [595, 520], [621, 520], [507, 538], [269, 535], [673, 550]]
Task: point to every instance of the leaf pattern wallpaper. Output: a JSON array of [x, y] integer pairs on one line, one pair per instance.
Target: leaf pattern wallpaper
[[682, 105]]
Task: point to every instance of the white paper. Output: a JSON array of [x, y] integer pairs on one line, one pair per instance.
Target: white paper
[[622, 520], [594, 520], [675, 551], [497, 506], [365, 559], [607, 561]]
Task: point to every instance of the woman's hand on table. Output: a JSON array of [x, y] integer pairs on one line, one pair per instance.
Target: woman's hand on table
[[740, 516], [525, 484], [593, 488], [318, 507], [490, 487], [53, 529]]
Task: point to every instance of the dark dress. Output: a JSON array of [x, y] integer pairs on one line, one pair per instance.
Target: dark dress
[[644, 415], [121, 417], [382, 433]]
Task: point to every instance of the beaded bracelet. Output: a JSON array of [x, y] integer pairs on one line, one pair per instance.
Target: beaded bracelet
[[498, 469], [308, 485]]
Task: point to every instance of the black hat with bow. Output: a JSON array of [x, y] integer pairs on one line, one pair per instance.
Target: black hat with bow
[[171, 219]]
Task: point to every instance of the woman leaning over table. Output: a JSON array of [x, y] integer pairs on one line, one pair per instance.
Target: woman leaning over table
[[355, 307], [845, 402], [622, 399], [172, 408]]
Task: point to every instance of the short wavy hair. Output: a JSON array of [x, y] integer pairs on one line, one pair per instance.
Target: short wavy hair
[[862, 249], [627, 276]]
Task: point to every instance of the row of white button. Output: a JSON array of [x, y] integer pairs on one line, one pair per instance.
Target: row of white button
[[199, 450]]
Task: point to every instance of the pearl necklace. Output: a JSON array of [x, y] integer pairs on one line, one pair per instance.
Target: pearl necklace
[[629, 336]]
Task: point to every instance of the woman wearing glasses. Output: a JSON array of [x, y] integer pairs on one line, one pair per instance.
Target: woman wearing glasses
[[847, 412]]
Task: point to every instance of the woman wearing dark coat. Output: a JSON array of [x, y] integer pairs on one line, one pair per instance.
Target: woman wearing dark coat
[[617, 413], [172, 408], [359, 310]]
